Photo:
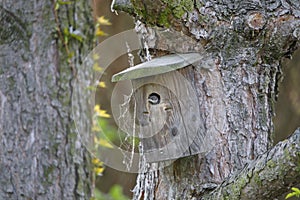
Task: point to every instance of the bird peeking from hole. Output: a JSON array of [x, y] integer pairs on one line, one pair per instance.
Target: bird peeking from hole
[[157, 114]]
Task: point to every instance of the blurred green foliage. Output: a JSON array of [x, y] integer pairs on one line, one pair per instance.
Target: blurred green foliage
[[113, 135], [110, 132], [295, 193], [115, 193]]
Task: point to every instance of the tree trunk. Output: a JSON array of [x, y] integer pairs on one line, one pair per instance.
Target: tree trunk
[[246, 41], [41, 156]]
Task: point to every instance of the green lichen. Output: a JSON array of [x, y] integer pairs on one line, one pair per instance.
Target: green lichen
[[72, 136], [12, 28], [185, 6], [243, 182], [163, 19], [179, 7], [296, 160], [162, 13], [257, 179], [271, 164], [286, 154], [235, 189], [47, 173], [139, 9], [11, 82]]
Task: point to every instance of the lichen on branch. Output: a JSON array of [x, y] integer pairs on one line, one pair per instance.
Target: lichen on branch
[[267, 177]]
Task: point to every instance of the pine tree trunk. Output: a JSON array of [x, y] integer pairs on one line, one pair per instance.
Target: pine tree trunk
[[41, 156], [246, 41]]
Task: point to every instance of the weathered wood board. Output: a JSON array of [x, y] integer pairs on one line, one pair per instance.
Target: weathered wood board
[[164, 110], [157, 66], [170, 128]]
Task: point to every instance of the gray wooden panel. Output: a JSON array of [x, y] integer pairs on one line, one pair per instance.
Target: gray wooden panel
[[157, 66], [172, 128]]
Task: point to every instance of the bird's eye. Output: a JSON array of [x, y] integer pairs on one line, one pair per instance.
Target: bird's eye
[[154, 98]]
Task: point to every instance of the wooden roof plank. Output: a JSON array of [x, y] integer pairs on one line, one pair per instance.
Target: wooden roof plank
[[156, 66]]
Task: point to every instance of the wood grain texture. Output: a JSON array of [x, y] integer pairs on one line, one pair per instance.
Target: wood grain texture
[[157, 66], [172, 128]]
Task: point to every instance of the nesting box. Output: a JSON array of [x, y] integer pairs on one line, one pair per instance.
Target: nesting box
[[164, 107]]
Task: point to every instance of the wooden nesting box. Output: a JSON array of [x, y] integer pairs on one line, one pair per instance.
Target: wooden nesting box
[[164, 107]]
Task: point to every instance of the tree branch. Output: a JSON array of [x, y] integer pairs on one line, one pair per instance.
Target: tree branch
[[267, 177]]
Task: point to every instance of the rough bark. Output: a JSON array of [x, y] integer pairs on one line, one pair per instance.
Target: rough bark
[[266, 177], [247, 40], [41, 156]]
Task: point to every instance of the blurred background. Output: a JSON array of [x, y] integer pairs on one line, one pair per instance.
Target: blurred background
[[287, 117]]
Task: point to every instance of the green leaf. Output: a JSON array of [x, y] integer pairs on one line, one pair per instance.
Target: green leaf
[[98, 195], [92, 88], [64, 2], [296, 190], [71, 54], [66, 31], [77, 37], [289, 195], [116, 192], [56, 5]]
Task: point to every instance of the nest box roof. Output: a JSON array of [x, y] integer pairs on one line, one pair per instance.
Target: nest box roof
[[157, 66]]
